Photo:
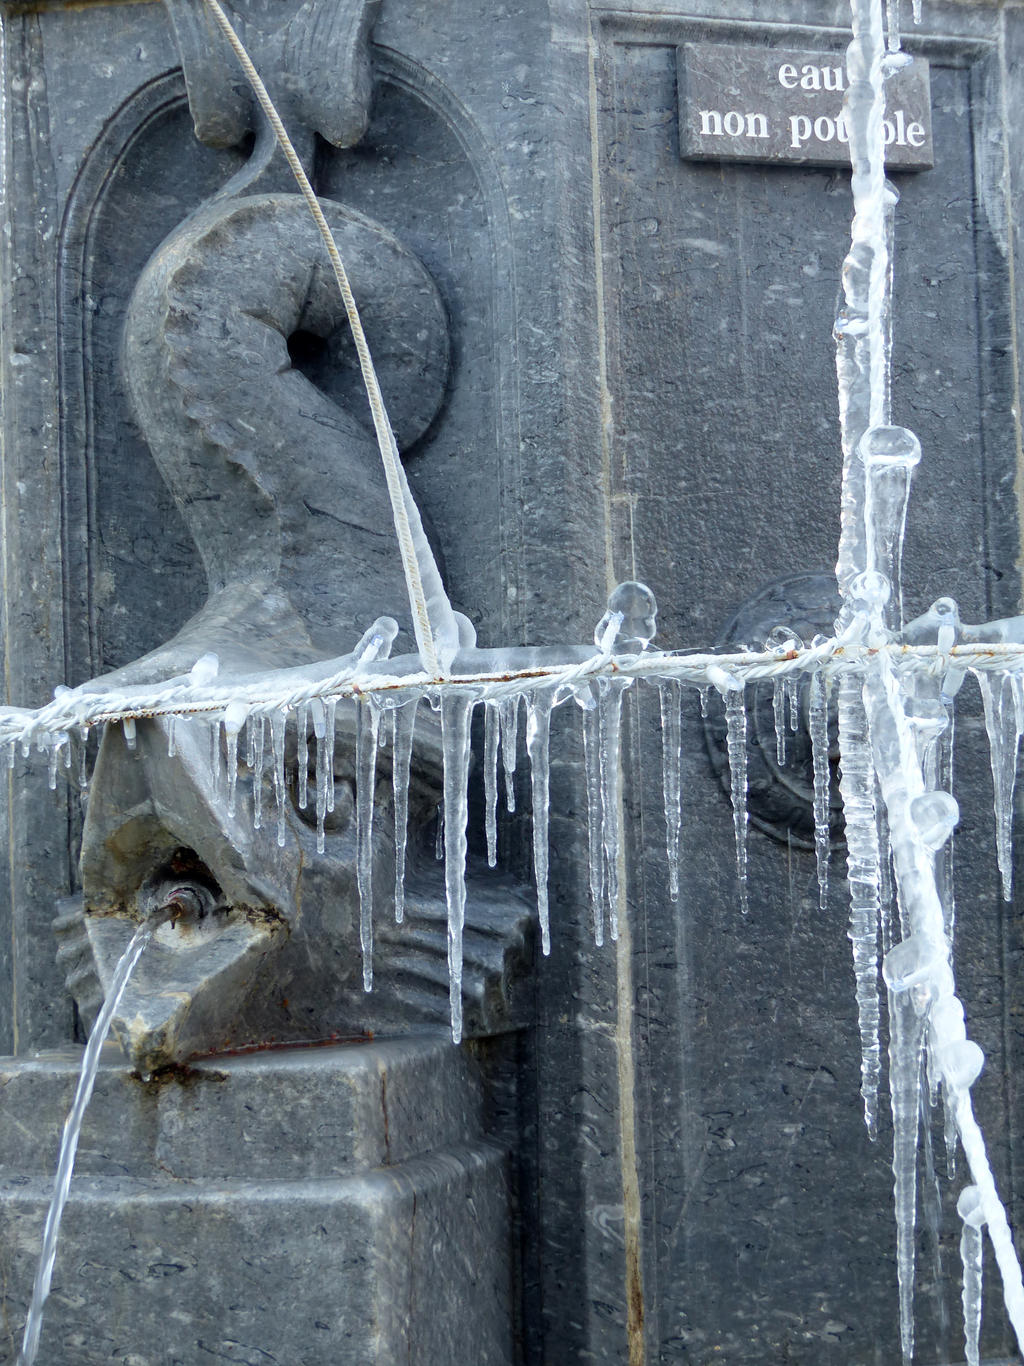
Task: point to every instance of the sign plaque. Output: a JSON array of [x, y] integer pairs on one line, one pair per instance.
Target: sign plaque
[[743, 103]]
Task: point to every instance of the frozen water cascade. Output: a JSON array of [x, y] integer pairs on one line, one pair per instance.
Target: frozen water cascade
[[894, 689]]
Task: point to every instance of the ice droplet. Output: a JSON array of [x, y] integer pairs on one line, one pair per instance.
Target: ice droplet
[[935, 815], [636, 605], [204, 671]]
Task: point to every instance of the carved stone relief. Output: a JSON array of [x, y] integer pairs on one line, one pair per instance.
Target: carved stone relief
[[241, 377]]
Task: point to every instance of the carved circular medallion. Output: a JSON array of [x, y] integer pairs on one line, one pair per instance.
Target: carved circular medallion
[[780, 794]]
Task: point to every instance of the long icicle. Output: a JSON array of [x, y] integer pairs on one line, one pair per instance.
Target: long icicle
[[671, 747], [367, 722], [491, 729], [818, 725], [456, 715], [538, 732], [609, 749]]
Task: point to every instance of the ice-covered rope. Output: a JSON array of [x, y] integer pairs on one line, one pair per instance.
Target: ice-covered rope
[[433, 619], [82, 709]]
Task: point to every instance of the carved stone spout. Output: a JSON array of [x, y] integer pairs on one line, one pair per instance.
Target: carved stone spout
[[241, 368]]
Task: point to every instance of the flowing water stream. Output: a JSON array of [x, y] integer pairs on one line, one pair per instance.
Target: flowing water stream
[[72, 1131]]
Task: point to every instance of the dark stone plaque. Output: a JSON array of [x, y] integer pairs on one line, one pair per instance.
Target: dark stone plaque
[[742, 103]]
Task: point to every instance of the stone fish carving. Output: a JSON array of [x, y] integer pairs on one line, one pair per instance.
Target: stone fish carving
[[280, 483]]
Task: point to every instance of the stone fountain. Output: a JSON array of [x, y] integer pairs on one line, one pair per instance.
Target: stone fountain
[[650, 1154]]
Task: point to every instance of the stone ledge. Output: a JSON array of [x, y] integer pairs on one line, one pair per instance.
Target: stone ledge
[[306, 1113]]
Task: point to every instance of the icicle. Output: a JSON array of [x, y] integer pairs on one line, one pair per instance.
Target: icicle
[[172, 747], [610, 720], [51, 774], [130, 737], [818, 720], [302, 752], [367, 719], [969, 1208], [385, 728], [330, 715], [278, 728], [215, 753], [945, 1022], [949, 1135], [257, 729], [508, 711], [890, 456], [671, 759], [780, 641], [236, 715], [538, 729], [456, 717], [779, 714], [906, 967], [324, 768], [404, 729], [491, 729], [595, 822], [83, 758], [931, 1205], [917, 11], [65, 751], [734, 696], [705, 694], [857, 786], [892, 17], [1003, 740], [792, 689], [886, 889]]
